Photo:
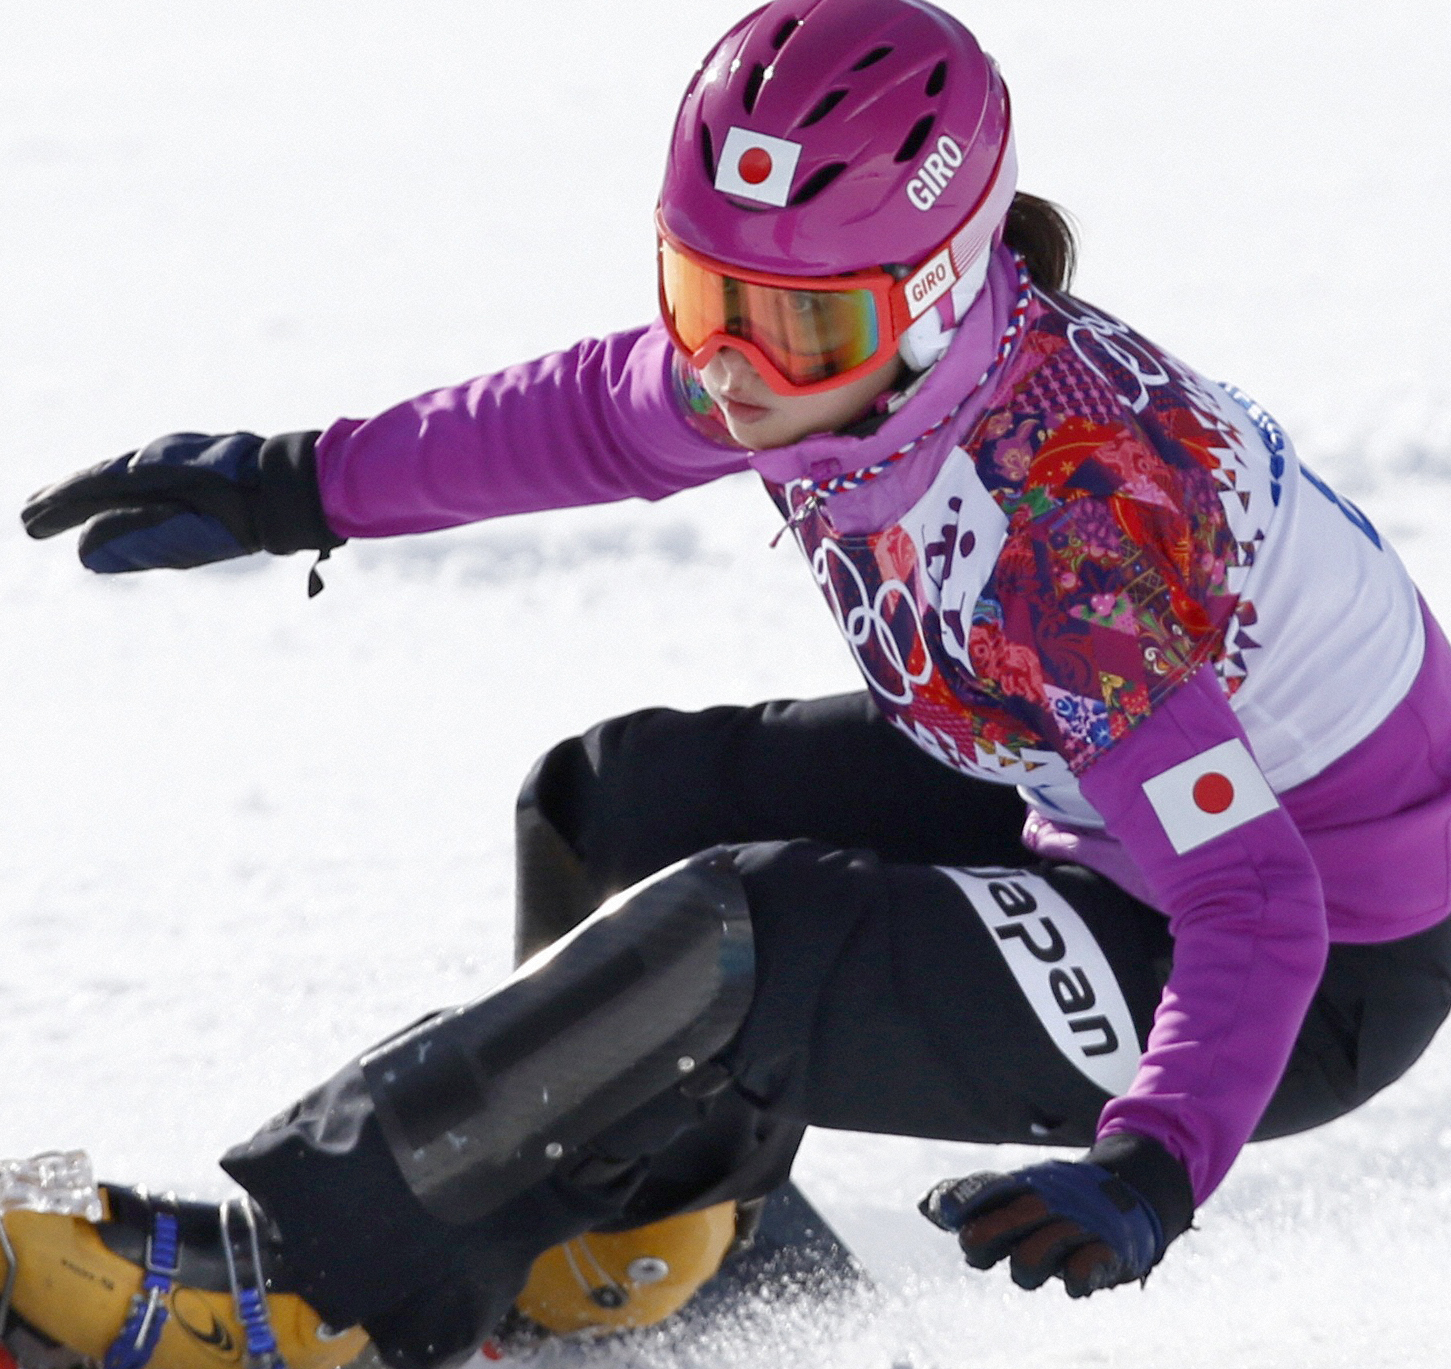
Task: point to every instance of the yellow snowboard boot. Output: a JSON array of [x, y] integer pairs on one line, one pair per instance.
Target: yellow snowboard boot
[[614, 1281], [145, 1282], [172, 1285]]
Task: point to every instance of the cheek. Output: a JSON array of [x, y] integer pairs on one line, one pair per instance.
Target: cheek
[[810, 414], [830, 410]]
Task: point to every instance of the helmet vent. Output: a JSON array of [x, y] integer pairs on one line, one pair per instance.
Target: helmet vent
[[753, 87], [912, 143], [784, 32], [824, 106], [817, 182], [937, 80], [707, 152], [872, 58]]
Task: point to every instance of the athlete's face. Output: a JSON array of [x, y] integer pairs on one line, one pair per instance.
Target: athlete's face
[[758, 417]]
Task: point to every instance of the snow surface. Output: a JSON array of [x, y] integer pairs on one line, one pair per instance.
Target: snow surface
[[245, 834]]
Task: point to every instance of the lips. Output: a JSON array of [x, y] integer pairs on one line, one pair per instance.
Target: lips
[[740, 412]]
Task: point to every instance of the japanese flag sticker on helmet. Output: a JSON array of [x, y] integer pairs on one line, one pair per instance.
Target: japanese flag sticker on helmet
[[756, 166]]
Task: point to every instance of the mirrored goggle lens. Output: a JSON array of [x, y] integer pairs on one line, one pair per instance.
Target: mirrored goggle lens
[[809, 335]]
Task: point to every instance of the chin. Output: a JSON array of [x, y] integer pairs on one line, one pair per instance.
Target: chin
[[762, 436]]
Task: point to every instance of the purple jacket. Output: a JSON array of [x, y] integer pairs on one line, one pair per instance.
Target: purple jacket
[[1081, 465]]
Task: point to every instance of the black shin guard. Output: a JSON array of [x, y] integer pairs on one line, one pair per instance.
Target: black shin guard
[[482, 1101], [429, 1173]]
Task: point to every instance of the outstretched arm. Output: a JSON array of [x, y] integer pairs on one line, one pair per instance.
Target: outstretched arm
[[590, 425], [596, 423]]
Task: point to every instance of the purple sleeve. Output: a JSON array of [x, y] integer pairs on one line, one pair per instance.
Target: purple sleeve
[[1248, 919], [596, 423]]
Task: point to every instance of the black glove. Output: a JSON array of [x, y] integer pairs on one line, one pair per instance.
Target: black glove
[[188, 499], [1094, 1223]]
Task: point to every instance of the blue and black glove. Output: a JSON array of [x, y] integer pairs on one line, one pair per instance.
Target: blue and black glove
[[1103, 1220], [188, 499]]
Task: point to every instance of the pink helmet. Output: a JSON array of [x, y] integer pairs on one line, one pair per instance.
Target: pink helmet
[[827, 136]]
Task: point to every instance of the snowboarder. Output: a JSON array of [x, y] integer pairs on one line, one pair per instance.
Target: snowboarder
[[1136, 840]]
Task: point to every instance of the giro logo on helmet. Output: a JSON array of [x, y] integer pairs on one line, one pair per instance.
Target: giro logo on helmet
[[934, 174], [756, 166]]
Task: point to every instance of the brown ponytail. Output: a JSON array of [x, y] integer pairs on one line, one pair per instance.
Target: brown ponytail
[[1043, 233]]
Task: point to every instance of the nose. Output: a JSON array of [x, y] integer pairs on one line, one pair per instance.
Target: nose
[[734, 369]]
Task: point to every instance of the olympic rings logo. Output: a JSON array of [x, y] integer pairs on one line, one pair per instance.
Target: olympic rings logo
[[1095, 337], [868, 631]]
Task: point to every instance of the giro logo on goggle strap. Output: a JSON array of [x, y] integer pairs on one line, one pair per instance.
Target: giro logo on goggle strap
[[934, 173], [756, 166], [933, 281]]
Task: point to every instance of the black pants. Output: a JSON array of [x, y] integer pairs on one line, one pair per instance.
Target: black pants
[[887, 999]]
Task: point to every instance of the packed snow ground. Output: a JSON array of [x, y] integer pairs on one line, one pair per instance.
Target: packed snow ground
[[245, 834]]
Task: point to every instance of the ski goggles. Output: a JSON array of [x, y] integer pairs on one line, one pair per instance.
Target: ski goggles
[[804, 334]]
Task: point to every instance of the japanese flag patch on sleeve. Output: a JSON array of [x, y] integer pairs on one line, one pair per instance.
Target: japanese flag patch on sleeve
[[1209, 794]]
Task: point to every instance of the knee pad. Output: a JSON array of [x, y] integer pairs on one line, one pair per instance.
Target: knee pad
[[480, 1102], [552, 889]]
